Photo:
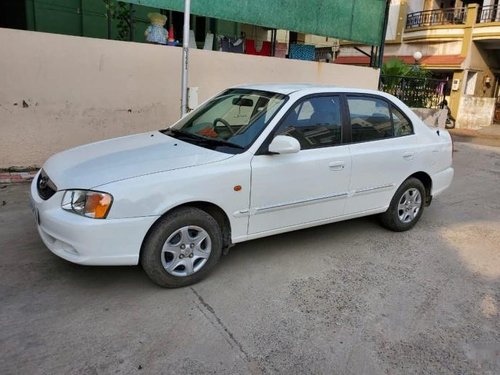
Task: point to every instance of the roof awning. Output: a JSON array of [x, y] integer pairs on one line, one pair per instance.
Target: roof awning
[[356, 20], [431, 61]]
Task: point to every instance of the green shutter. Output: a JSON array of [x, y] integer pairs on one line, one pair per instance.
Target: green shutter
[[354, 20]]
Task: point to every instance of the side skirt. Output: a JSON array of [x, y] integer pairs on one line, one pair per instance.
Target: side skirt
[[308, 225]]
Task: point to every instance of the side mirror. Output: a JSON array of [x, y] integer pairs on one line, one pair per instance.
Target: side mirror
[[284, 144]]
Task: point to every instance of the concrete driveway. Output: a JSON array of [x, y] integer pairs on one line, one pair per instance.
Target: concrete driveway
[[348, 298]]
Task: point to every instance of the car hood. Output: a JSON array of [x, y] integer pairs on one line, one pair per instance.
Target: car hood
[[116, 159]]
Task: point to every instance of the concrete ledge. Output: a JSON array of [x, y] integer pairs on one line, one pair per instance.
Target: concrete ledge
[[432, 117], [489, 136], [489, 132]]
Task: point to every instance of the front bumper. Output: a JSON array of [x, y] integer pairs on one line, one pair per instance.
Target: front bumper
[[108, 242]]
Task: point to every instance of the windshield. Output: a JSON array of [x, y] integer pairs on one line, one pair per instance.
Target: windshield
[[229, 122]]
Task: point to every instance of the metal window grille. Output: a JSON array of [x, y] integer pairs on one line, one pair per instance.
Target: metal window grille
[[415, 92]]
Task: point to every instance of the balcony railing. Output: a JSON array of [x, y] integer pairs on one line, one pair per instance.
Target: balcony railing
[[453, 16], [489, 13]]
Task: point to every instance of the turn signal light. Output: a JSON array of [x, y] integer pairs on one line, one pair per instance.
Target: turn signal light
[[97, 204]]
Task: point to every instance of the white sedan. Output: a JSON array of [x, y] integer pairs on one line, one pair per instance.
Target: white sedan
[[251, 162]]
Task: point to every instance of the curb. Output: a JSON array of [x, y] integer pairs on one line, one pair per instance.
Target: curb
[[471, 133], [16, 177]]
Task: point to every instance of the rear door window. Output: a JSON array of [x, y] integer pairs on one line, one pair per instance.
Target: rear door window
[[374, 119], [370, 119]]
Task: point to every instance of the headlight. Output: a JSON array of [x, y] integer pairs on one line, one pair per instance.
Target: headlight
[[87, 203]]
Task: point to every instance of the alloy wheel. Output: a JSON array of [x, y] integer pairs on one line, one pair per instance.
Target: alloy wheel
[[186, 251], [409, 205]]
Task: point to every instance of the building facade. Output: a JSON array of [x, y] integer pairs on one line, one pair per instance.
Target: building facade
[[459, 41]]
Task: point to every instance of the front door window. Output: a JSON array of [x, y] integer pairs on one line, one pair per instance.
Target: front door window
[[315, 122]]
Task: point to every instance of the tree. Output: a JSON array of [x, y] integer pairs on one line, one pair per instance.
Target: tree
[[397, 67], [122, 13], [410, 83]]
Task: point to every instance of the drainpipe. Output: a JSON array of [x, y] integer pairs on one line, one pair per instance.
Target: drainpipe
[[131, 21], [34, 15], [273, 42], [80, 13], [109, 16], [382, 38], [384, 32], [185, 56]]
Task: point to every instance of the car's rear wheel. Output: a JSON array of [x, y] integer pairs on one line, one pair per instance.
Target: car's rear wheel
[[182, 248], [406, 206]]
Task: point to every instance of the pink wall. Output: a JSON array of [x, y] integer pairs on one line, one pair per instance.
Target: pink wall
[[78, 90]]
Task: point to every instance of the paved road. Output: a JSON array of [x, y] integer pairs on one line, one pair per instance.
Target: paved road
[[348, 298]]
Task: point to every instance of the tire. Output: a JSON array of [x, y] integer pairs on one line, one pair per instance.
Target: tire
[[181, 248], [406, 206]]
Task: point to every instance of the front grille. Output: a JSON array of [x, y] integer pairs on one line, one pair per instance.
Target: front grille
[[45, 186]]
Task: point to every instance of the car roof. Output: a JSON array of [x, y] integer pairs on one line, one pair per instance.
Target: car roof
[[285, 88], [289, 88]]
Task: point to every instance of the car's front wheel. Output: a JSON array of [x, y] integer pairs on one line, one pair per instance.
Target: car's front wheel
[[406, 206], [182, 248]]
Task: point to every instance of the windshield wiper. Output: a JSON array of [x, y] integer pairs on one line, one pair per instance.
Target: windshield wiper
[[221, 142], [181, 133], [214, 141]]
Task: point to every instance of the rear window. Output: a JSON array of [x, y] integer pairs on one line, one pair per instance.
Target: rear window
[[375, 119]]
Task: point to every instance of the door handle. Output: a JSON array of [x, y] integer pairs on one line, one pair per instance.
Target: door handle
[[408, 155], [336, 165]]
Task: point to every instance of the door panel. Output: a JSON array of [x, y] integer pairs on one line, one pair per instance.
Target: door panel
[[383, 152], [311, 185], [378, 167], [298, 188]]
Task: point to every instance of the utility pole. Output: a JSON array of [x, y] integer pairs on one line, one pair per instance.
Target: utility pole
[[185, 56]]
